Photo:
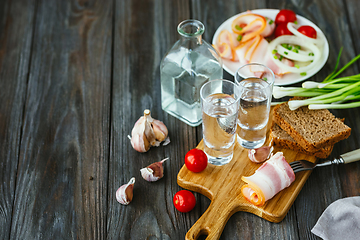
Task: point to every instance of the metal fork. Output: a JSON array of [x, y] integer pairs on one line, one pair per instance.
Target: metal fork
[[303, 165]]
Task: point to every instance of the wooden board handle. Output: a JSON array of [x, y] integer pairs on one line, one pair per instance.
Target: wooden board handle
[[213, 221]]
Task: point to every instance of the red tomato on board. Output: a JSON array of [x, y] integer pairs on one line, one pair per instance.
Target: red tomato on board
[[196, 160], [282, 29], [184, 201], [307, 31], [285, 16]]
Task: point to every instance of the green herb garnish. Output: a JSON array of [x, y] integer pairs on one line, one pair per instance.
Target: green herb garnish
[[238, 27]]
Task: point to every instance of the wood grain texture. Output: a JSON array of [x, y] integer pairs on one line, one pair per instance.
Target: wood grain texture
[[15, 47], [144, 32], [66, 124], [74, 78]]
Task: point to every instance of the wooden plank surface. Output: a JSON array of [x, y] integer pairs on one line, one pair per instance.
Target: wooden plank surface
[[74, 78], [15, 47], [65, 129]]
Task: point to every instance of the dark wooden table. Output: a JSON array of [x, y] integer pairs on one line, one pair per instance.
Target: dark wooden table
[[74, 78]]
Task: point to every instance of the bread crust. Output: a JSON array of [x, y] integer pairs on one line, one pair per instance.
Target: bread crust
[[293, 145], [301, 140]]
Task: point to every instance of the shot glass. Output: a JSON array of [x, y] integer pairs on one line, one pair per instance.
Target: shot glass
[[220, 105], [255, 82]]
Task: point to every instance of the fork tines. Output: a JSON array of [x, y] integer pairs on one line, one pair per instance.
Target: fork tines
[[301, 165], [296, 166]]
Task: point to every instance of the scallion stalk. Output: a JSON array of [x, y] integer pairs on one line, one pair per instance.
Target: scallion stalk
[[335, 106], [341, 92]]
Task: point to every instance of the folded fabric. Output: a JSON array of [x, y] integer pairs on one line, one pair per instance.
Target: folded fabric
[[340, 220]]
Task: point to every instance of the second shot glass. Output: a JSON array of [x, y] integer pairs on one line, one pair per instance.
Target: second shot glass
[[256, 82]]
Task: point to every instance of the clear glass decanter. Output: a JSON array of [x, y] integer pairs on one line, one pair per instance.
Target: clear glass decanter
[[189, 64]]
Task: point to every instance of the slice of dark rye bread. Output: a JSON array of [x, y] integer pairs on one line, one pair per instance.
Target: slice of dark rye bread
[[312, 129], [284, 140]]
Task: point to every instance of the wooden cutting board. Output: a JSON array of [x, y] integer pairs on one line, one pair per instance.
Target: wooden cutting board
[[222, 185]]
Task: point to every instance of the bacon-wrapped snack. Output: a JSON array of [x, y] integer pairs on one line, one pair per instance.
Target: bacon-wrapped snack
[[269, 179]]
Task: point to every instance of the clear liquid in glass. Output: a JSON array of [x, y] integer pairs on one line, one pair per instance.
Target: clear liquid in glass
[[219, 128], [254, 114], [189, 64]]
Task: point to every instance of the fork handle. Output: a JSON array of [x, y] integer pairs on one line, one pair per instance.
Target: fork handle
[[352, 156]]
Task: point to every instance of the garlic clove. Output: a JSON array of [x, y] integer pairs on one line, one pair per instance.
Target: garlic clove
[[160, 130], [154, 171], [140, 143], [148, 132], [260, 154], [148, 174], [124, 194], [138, 138]]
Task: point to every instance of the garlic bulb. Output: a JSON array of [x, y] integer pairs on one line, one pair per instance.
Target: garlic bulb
[[124, 194], [260, 154], [148, 132], [154, 171]]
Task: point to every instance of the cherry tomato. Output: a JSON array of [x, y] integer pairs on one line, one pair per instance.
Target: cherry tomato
[[285, 16], [282, 29], [184, 201], [307, 31], [196, 160]]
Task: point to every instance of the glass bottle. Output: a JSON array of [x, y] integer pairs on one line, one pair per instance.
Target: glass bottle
[[189, 64]]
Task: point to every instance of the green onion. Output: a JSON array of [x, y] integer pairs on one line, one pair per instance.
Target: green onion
[[274, 51], [239, 38], [271, 22], [275, 57], [295, 22], [334, 96], [335, 106], [286, 53], [343, 79], [295, 50], [346, 66], [311, 54], [297, 66], [336, 66], [297, 47], [332, 93], [238, 27]]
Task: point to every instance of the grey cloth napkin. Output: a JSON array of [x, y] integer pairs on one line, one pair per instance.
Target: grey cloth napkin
[[340, 220]]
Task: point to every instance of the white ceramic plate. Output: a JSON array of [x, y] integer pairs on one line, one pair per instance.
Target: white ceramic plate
[[290, 78]]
